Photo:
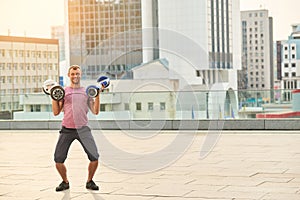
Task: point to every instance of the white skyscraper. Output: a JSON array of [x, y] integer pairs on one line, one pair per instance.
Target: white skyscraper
[[200, 39]]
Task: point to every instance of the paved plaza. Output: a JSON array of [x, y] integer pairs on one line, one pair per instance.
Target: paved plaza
[[156, 165]]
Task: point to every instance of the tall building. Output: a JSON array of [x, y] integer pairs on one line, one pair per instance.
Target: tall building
[[289, 65], [58, 32], [25, 63], [200, 39], [104, 36], [257, 51]]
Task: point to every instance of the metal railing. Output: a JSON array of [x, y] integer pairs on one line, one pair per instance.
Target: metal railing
[[159, 105]]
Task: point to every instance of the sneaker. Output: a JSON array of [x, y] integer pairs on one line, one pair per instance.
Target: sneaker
[[62, 186], [91, 185]]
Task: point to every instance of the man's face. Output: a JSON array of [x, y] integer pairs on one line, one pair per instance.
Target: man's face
[[75, 75]]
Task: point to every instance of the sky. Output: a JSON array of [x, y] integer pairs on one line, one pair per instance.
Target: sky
[[34, 18]]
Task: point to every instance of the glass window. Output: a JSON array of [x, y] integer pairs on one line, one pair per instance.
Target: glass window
[[162, 106], [286, 74], [138, 106], [150, 106]]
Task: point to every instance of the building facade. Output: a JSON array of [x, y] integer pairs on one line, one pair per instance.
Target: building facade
[[25, 63], [257, 51], [58, 32], [200, 39], [104, 36], [290, 63]]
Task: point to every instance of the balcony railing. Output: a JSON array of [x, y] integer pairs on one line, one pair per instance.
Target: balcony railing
[[163, 105]]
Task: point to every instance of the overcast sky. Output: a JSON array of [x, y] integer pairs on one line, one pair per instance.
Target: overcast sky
[[35, 17]]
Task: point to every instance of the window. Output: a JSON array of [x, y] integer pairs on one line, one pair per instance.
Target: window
[[293, 74], [21, 53], [126, 106], [2, 52], [35, 108], [162, 106], [39, 54], [102, 107], [286, 74], [293, 64], [286, 65], [150, 106], [138, 106]]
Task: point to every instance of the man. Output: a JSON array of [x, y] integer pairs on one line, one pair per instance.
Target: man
[[75, 106]]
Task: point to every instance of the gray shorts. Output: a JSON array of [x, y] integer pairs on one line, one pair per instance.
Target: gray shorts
[[67, 136]]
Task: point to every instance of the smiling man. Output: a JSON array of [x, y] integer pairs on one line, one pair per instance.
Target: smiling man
[[75, 106]]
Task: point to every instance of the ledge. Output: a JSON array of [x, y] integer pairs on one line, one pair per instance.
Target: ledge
[[231, 124]]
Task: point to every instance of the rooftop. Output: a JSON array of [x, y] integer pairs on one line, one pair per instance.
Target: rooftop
[[156, 165]]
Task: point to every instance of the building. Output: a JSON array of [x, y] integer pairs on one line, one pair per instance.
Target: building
[[257, 51], [104, 36], [58, 32], [126, 99], [25, 63], [201, 41], [289, 63]]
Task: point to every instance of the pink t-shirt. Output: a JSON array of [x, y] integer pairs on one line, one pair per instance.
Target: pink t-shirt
[[75, 108]]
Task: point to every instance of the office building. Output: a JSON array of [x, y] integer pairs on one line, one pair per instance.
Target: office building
[[58, 32], [25, 63], [104, 36], [289, 63], [257, 51], [201, 41]]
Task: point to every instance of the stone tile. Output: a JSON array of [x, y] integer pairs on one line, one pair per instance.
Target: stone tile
[[242, 165]]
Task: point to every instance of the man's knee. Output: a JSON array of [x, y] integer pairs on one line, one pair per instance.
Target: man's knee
[[59, 158], [93, 157]]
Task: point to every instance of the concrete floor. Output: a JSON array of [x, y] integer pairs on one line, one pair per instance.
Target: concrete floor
[[155, 165]]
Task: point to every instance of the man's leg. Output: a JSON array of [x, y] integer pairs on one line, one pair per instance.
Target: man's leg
[[62, 170], [87, 141], [92, 169], [61, 151]]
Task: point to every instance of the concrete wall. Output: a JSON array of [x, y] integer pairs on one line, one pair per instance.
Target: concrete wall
[[232, 124]]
